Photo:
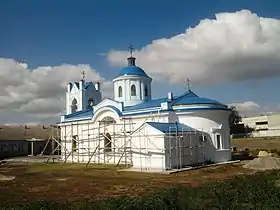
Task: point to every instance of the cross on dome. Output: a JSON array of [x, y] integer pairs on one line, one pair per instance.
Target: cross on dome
[[131, 59], [131, 49]]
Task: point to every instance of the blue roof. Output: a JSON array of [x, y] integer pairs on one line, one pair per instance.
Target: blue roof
[[170, 127], [86, 85], [146, 104], [191, 98], [188, 98], [132, 70], [80, 114]]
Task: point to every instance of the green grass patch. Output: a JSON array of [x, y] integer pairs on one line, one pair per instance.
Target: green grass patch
[[258, 191]]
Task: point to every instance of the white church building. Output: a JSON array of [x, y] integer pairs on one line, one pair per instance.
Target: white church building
[[148, 134]]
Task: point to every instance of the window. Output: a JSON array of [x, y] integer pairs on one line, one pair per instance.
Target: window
[[120, 91], [90, 103], [74, 106], [133, 90], [262, 129], [202, 138], [146, 91], [219, 141], [107, 143], [74, 143], [262, 123], [108, 121]]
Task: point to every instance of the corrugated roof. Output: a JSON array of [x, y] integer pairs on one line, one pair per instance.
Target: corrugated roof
[[27, 132], [170, 127]]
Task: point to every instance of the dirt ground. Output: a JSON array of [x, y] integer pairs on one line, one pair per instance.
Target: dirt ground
[[73, 182], [257, 143]]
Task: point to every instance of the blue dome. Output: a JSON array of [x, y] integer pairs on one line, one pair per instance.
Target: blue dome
[[132, 70]]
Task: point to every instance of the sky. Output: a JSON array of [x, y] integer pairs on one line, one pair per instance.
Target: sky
[[229, 50]]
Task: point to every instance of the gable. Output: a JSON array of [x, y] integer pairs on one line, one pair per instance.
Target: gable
[[108, 102]]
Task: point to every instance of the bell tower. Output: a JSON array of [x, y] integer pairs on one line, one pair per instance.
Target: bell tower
[[81, 96]]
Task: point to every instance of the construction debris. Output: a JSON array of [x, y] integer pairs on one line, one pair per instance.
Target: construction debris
[[263, 163], [6, 178], [264, 154]]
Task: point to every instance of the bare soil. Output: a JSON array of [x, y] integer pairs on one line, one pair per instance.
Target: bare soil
[[73, 182]]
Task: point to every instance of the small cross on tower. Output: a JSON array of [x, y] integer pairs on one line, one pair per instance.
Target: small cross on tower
[[188, 84], [83, 75]]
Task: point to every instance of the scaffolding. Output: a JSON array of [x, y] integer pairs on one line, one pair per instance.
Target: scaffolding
[[104, 141], [109, 142], [55, 141], [185, 147]]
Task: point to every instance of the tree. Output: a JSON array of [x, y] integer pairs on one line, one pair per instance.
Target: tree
[[234, 117], [234, 123]]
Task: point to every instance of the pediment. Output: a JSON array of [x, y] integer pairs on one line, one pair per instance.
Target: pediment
[[109, 102]]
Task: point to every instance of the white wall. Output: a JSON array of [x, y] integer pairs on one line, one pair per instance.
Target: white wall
[[212, 122], [148, 149], [272, 128], [126, 82], [82, 96]]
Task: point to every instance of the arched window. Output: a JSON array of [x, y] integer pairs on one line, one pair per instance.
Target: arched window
[[107, 137], [120, 91], [107, 142], [133, 90], [108, 120], [74, 105], [90, 103], [146, 91]]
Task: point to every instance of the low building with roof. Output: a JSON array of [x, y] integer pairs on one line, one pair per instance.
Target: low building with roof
[[133, 128], [23, 140]]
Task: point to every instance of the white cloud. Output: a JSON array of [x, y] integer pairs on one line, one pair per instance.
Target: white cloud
[[251, 108], [246, 106], [39, 93], [232, 47]]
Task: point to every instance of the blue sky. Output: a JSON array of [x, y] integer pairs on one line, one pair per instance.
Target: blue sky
[[49, 33]]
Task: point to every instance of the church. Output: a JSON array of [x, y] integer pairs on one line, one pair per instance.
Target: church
[[161, 134]]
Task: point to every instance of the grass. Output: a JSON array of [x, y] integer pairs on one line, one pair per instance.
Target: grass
[[56, 186], [257, 143], [74, 182], [254, 191]]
